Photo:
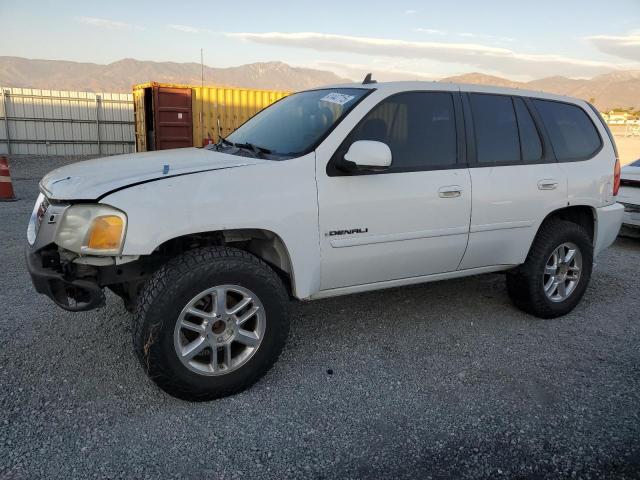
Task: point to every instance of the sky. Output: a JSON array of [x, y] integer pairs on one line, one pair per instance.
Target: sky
[[400, 39]]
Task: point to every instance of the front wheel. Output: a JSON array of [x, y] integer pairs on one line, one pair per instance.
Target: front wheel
[[556, 272], [210, 323]]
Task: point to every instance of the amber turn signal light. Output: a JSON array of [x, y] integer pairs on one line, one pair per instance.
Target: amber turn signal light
[[106, 233]]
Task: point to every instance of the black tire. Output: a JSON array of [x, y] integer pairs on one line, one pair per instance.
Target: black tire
[[525, 285], [173, 286]]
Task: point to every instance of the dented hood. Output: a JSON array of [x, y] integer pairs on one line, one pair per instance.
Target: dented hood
[[92, 179]]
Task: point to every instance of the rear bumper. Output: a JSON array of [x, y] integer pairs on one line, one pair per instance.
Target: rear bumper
[[71, 294], [608, 223]]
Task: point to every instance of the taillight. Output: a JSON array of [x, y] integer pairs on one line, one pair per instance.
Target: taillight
[[616, 178]]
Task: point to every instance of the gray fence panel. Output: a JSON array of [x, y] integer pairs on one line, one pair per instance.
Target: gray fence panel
[[54, 122]]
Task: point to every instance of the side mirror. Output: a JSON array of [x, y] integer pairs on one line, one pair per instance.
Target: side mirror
[[367, 155]]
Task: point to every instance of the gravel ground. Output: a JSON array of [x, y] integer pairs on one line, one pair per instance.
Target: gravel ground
[[443, 380]]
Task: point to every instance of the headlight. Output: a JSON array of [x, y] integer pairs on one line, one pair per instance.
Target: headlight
[[92, 229]]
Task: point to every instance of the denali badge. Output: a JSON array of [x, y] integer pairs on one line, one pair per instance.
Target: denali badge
[[347, 232]]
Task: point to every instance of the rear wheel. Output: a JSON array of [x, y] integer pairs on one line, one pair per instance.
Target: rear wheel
[[210, 323], [556, 272]]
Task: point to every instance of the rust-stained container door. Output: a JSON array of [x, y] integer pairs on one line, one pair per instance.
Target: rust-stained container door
[[173, 119], [138, 114]]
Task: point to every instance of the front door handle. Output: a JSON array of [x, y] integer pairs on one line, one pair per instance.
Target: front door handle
[[547, 184], [451, 191]]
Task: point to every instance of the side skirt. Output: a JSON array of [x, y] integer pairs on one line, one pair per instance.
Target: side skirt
[[367, 287]]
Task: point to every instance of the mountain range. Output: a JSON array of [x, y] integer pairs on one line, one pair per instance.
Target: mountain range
[[121, 75], [620, 89], [608, 91]]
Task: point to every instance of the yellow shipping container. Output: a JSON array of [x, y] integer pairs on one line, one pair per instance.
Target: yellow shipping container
[[174, 116]]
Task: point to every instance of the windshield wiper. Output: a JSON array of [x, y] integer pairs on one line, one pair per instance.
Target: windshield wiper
[[220, 143], [256, 150], [259, 151]]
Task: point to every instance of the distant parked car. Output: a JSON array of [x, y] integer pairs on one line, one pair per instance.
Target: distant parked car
[[629, 194]]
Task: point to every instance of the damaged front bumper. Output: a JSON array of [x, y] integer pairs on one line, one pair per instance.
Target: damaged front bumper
[[75, 282], [49, 278], [59, 280]]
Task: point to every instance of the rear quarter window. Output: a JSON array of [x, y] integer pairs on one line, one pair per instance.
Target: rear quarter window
[[573, 135]]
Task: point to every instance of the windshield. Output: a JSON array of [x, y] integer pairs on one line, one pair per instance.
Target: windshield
[[294, 125]]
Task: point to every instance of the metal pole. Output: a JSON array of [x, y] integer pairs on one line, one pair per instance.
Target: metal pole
[[201, 96], [98, 121], [6, 121]]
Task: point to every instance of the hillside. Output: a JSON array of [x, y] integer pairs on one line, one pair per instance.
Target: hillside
[[616, 89], [611, 90], [121, 75]]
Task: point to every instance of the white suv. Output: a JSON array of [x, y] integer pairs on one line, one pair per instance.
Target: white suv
[[328, 192]]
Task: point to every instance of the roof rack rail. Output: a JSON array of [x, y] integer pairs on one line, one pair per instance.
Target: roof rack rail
[[368, 80]]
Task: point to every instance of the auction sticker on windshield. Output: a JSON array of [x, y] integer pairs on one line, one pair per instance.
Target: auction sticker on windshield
[[339, 98]]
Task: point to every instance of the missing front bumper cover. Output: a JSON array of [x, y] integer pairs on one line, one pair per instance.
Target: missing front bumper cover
[[75, 295]]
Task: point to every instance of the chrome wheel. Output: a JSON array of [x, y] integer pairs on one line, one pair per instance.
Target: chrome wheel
[[562, 272], [219, 330]]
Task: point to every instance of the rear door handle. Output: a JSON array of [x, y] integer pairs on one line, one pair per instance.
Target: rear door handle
[[451, 191], [547, 184]]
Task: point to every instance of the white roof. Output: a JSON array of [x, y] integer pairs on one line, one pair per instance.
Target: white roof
[[394, 87]]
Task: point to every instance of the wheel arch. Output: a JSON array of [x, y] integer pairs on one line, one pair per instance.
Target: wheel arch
[[264, 244], [582, 215]]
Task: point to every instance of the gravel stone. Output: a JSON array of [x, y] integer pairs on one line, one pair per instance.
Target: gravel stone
[[442, 380]]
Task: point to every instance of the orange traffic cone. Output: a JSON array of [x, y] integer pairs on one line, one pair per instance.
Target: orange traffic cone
[[6, 187]]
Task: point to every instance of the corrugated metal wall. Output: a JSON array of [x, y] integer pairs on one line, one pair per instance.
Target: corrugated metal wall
[[52, 122]]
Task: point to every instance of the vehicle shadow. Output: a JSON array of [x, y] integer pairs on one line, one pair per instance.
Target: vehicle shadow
[[103, 351]]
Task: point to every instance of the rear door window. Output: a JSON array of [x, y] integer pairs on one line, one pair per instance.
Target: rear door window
[[573, 135], [496, 129]]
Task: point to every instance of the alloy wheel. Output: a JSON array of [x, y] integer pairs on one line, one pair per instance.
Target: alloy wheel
[[219, 330], [562, 272]]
